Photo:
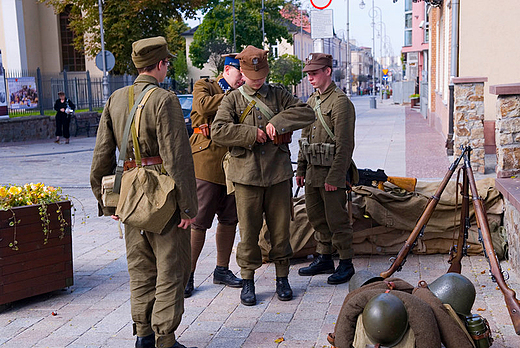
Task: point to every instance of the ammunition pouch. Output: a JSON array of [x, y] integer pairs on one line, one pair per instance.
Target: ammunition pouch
[[318, 154], [280, 139]]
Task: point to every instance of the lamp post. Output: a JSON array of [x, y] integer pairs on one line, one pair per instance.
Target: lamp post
[[263, 28], [349, 84], [105, 79], [234, 30], [373, 104]]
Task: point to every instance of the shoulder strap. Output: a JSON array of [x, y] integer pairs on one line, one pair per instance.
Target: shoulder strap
[[129, 121], [264, 109], [317, 108]]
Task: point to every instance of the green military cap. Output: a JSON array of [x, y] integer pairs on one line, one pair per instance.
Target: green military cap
[[146, 52], [317, 61], [253, 62]]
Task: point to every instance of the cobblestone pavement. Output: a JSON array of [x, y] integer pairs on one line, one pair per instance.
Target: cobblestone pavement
[[95, 311]]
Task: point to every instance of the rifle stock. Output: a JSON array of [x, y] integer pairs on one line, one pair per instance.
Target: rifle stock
[[455, 260], [407, 184], [513, 305]]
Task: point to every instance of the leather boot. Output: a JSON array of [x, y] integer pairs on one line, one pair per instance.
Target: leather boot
[[222, 275], [188, 290], [283, 289], [247, 296], [343, 273], [178, 345], [321, 265], [145, 342]]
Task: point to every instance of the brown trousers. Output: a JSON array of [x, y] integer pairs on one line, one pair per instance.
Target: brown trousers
[[159, 267]]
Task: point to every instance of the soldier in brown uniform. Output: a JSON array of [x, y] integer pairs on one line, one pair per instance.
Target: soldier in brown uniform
[[248, 120], [211, 182], [324, 159], [158, 264]]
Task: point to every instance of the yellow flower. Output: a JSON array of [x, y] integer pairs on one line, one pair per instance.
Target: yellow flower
[[3, 192], [14, 190]]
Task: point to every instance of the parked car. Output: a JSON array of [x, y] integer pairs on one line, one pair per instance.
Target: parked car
[[186, 104]]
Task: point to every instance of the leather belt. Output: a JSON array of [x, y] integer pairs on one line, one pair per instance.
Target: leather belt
[[145, 161], [197, 130]]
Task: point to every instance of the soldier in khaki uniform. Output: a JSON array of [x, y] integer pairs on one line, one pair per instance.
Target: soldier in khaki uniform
[[211, 182], [260, 169], [158, 264], [323, 162]]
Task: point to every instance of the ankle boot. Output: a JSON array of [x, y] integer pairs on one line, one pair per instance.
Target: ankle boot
[[188, 290], [283, 289], [321, 265], [247, 296], [145, 342], [343, 273], [222, 275]]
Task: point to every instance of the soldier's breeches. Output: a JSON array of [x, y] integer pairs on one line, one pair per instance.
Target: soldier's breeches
[[159, 267], [252, 203], [328, 215], [213, 199]]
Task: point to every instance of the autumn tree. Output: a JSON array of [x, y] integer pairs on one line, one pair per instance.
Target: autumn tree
[[177, 44], [124, 22], [287, 70], [214, 36]]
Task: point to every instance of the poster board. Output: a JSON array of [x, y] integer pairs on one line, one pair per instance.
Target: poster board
[[23, 93], [321, 24], [3, 92]]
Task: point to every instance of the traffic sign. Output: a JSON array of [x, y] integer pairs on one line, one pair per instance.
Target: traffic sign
[[321, 4], [109, 59], [385, 71]]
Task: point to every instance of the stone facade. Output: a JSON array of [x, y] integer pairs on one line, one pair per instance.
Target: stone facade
[[508, 135], [469, 119], [512, 226]]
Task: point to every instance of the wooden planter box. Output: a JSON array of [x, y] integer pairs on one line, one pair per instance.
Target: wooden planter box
[[414, 102], [36, 267]]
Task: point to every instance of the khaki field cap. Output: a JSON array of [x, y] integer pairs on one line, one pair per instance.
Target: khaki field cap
[[146, 52], [253, 62], [317, 61]]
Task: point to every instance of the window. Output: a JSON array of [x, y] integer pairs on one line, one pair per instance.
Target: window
[[427, 23], [274, 51], [72, 60], [408, 28]]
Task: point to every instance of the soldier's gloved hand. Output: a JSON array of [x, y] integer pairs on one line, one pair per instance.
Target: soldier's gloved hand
[[271, 131], [260, 136], [300, 181]]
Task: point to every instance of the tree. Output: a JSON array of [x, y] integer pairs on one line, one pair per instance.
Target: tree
[[124, 22], [287, 70], [215, 35], [177, 44]]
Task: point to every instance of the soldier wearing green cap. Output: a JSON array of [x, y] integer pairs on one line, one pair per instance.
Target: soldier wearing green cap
[[324, 159], [253, 121], [158, 263]]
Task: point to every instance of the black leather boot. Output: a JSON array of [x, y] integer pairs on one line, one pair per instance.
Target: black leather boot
[[323, 264], [178, 345], [283, 289], [145, 342], [188, 290], [247, 296], [222, 275], [343, 273]]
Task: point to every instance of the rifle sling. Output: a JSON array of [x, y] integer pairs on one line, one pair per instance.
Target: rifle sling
[[317, 108]]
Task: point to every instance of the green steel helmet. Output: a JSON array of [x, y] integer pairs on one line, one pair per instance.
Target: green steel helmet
[[361, 278], [385, 319], [456, 290]]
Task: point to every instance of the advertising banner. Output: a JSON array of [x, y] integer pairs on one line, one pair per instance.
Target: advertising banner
[[3, 93], [23, 93]]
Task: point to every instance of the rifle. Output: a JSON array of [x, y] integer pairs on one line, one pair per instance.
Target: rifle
[[418, 230], [368, 176]]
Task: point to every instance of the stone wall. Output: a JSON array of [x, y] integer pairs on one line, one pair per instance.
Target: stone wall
[[469, 119], [512, 225], [28, 128]]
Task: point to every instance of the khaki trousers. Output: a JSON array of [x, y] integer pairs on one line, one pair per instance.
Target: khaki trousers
[[328, 215], [159, 268], [253, 202]]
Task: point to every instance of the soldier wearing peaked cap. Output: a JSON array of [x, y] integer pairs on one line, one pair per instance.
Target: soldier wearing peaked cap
[[211, 183], [324, 159], [158, 263], [251, 121]]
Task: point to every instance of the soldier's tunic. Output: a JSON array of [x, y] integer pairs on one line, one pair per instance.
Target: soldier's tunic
[[327, 210], [261, 172], [158, 264], [207, 158]]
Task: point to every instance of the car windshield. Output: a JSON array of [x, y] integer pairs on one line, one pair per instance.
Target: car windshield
[[186, 101]]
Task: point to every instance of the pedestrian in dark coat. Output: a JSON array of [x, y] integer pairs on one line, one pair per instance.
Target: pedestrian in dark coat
[[64, 109]]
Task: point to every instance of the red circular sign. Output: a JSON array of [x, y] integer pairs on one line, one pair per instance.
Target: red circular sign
[[321, 7]]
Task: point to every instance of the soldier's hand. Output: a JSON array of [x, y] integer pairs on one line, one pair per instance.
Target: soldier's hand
[[260, 136], [185, 223], [330, 187], [115, 217], [300, 181], [271, 131]]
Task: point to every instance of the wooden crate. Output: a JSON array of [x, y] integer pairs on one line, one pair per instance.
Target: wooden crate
[[36, 267]]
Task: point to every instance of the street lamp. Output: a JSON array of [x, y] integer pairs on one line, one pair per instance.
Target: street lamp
[[105, 79], [349, 84], [372, 97]]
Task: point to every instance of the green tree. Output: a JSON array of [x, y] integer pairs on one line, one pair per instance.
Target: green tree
[[177, 44], [124, 22], [287, 70], [215, 35]]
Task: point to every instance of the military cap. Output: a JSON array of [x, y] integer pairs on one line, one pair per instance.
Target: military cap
[[146, 52], [230, 59], [254, 62], [317, 61]]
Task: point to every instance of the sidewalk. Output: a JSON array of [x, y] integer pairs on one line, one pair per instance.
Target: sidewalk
[[95, 311]]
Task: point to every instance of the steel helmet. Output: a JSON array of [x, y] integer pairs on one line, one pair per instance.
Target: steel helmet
[[456, 290], [385, 319], [361, 278]]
